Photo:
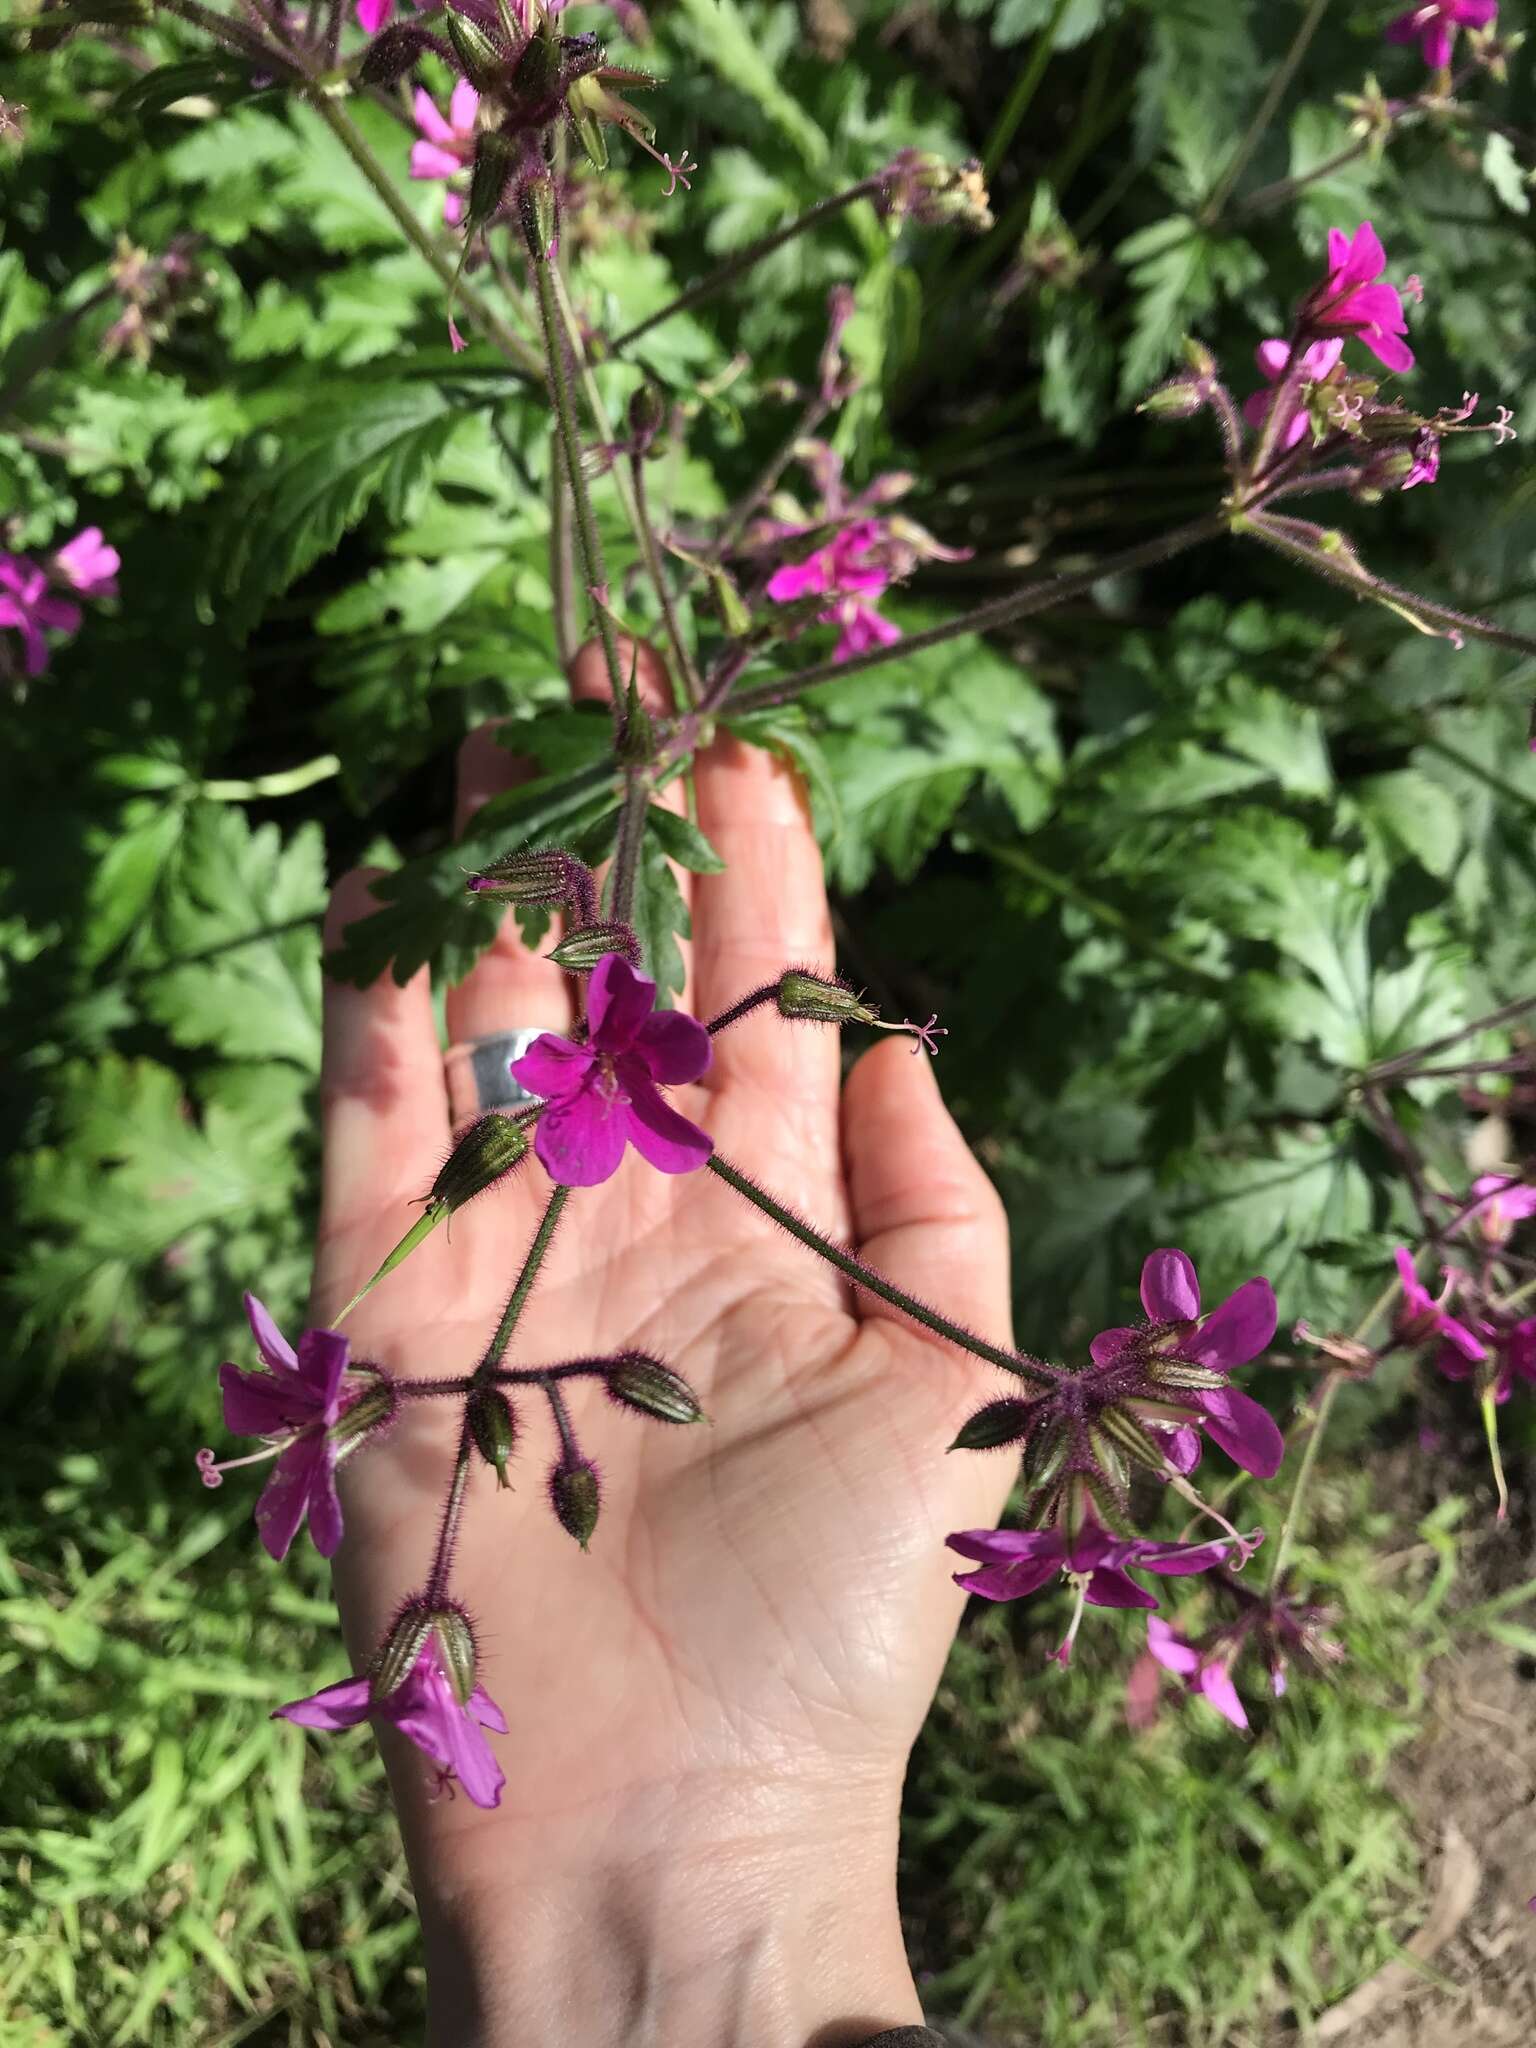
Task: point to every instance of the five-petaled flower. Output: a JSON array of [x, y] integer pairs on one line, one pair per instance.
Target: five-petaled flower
[[1433, 25], [425, 1708], [1017, 1562], [1350, 300], [447, 147], [842, 572], [1420, 1317], [29, 608], [603, 1094], [311, 1414]]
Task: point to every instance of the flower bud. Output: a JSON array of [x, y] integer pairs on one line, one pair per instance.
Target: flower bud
[[495, 160], [482, 63], [489, 1149], [373, 1409], [580, 951], [576, 1497], [820, 999], [493, 1426], [729, 604], [536, 210], [647, 416], [919, 185], [652, 1388], [991, 1428], [392, 53], [1179, 399], [532, 877]]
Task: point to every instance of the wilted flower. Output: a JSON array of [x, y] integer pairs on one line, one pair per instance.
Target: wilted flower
[[604, 1094], [1420, 1317], [1351, 301], [1017, 1562], [447, 146], [310, 1416], [426, 1708], [1433, 25]]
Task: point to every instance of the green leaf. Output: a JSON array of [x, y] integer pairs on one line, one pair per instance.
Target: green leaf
[[128, 874], [681, 840], [660, 916], [331, 463], [1414, 815], [237, 958], [1505, 173], [722, 36]]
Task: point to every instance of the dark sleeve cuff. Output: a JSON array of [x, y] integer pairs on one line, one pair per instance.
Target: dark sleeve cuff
[[907, 2037]]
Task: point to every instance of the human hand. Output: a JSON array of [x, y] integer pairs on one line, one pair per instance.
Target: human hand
[[709, 1714]]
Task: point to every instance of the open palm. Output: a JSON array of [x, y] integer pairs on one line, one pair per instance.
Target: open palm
[[766, 1604]]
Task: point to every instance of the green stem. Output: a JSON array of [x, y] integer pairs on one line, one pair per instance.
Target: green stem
[[453, 1508], [594, 569], [1285, 1541], [1002, 611], [1200, 978], [871, 1281], [593, 396], [746, 258], [630, 838], [1285, 71], [1404, 1062], [523, 1286], [233, 34], [517, 351], [682, 658], [281, 782], [562, 562], [1025, 86]]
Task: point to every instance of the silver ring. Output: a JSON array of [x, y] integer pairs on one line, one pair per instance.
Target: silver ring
[[478, 1072]]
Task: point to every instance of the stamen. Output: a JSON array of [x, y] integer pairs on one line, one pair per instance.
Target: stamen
[[1413, 288], [212, 1470], [1062, 1654], [923, 1034]]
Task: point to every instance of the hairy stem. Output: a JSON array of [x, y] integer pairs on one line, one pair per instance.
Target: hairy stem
[[594, 568], [1025, 86], [682, 658], [1024, 863], [625, 873], [875, 1283], [1284, 72], [517, 351], [1002, 611], [453, 1510], [744, 259], [523, 1286]]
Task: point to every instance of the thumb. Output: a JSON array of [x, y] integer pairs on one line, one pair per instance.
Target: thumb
[[924, 1212]]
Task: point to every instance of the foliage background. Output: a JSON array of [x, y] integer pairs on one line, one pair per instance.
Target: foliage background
[[1177, 864]]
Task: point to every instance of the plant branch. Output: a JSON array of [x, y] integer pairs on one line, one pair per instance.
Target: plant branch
[[523, 1286], [1285, 71], [875, 1283], [745, 259]]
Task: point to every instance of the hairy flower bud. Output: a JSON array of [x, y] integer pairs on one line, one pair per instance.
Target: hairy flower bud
[[482, 63], [373, 1409], [393, 53], [489, 1149], [821, 999], [576, 1497], [652, 1388], [991, 1428], [495, 160], [493, 1425], [579, 951], [536, 211], [920, 186], [535, 877], [647, 416], [445, 1624]]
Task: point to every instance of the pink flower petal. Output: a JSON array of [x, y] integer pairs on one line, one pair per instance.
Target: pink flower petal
[[1235, 1332], [463, 109], [1170, 1292], [302, 1470], [428, 160], [1008, 1581], [618, 1002], [580, 1138], [1274, 359], [666, 1140], [1215, 1685], [1247, 1432], [675, 1047], [553, 1067], [373, 14], [273, 1346], [799, 579], [1171, 1649], [429, 121], [1109, 1587], [262, 1404], [321, 1363], [1109, 1344], [334, 1706]]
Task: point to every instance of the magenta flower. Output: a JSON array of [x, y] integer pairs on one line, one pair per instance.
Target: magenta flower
[[1274, 360], [1426, 459], [1351, 301], [373, 15], [88, 565], [298, 1404], [1231, 1335], [604, 1094], [28, 608], [447, 146], [1434, 23], [843, 571], [1205, 1675], [1017, 1562], [1500, 1203], [1514, 1358], [426, 1709], [1420, 1317]]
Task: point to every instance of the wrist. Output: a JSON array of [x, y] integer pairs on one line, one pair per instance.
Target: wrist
[[720, 1924]]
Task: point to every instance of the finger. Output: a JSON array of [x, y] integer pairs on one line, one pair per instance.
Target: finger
[[509, 986], [765, 912], [925, 1214], [590, 685], [383, 1111]]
